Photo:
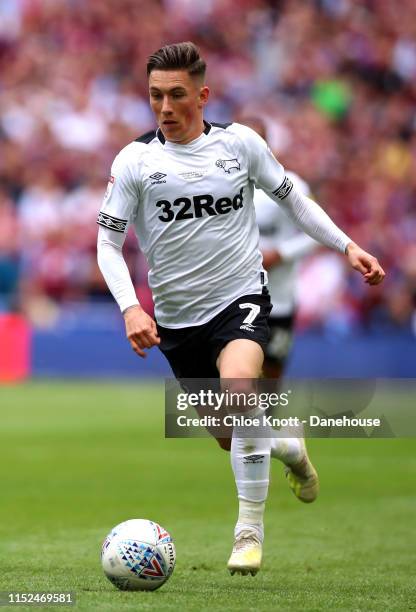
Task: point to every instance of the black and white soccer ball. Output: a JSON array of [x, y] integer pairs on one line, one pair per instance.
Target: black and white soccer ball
[[138, 555]]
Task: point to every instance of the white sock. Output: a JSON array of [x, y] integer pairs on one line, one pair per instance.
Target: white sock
[[250, 514], [250, 460], [288, 450], [287, 445]]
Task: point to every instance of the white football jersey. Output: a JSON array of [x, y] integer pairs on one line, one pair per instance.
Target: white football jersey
[[192, 209], [278, 232]]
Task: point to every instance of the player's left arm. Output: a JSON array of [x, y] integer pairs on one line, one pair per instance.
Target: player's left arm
[[310, 217], [365, 263], [289, 244], [269, 175]]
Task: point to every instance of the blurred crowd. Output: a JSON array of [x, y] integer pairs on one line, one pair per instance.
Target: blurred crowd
[[335, 81]]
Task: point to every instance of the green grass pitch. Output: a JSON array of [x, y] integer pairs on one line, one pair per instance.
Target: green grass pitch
[[78, 458]]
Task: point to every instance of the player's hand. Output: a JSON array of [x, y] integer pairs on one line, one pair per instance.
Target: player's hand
[[365, 263], [271, 258], [141, 330]]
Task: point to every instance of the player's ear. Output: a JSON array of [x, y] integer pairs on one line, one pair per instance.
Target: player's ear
[[203, 96]]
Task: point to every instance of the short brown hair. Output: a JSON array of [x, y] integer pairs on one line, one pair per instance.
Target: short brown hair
[[179, 56]]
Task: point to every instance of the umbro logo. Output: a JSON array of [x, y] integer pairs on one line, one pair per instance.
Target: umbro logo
[[247, 327], [253, 459], [228, 164], [157, 178]]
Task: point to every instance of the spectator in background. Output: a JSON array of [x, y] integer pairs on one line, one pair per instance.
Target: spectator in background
[[9, 254], [340, 74]]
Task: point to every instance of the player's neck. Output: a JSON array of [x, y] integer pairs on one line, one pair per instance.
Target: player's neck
[[190, 136]]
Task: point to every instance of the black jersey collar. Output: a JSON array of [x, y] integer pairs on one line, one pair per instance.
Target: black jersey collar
[[207, 128], [160, 136]]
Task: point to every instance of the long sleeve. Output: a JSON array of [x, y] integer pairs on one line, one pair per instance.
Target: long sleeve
[[312, 219], [114, 268], [268, 174], [118, 209]]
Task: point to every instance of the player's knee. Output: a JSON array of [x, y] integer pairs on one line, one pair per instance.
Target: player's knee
[[239, 391], [243, 384], [238, 373]]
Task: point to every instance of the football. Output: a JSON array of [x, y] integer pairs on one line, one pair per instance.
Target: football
[[138, 555]]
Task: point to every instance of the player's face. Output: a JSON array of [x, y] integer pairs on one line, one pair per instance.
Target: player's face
[[177, 101]]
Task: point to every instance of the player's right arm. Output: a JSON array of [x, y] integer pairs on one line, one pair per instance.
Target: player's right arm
[[118, 209], [141, 329]]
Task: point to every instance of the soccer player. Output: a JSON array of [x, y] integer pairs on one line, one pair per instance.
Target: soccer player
[[187, 188]]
